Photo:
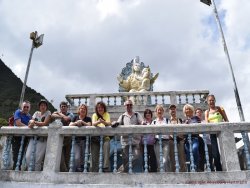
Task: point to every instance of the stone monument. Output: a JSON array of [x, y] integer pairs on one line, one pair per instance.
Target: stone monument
[[136, 77]]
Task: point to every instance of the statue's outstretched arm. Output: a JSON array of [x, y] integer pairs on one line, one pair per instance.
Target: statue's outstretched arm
[[154, 78], [123, 83]]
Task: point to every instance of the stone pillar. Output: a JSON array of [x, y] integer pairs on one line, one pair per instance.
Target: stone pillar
[[229, 157], [54, 149], [2, 144], [173, 98], [91, 102]]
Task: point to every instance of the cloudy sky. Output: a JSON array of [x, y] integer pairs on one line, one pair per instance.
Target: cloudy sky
[[88, 42]]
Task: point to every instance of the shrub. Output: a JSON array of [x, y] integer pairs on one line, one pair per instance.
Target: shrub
[[3, 122]]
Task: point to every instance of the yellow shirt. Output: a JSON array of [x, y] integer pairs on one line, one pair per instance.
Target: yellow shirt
[[105, 116], [215, 117]]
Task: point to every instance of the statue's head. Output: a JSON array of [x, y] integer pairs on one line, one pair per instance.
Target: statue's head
[[146, 72], [136, 60], [136, 64]]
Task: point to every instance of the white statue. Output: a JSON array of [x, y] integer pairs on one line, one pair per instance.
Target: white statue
[[139, 80]]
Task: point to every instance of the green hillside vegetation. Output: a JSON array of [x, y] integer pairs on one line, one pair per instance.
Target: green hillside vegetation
[[10, 91]]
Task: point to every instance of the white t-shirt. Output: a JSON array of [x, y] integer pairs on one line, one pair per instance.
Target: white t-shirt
[[160, 122], [38, 116]]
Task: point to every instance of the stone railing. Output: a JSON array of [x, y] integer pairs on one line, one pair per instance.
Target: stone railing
[[147, 98], [55, 134], [114, 101]]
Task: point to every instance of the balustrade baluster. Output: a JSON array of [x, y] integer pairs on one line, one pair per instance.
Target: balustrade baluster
[[135, 100], [6, 153], [156, 100], [20, 154], [145, 153], [191, 153], [9, 150], [73, 101], [129, 97], [161, 153], [246, 151], [149, 100], [179, 98], [186, 99], [163, 100], [86, 155], [176, 157], [72, 154], [79, 101], [86, 100], [101, 154], [102, 98], [108, 101], [206, 152], [115, 154], [115, 101], [142, 100], [130, 137], [200, 98], [193, 99], [33, 155]]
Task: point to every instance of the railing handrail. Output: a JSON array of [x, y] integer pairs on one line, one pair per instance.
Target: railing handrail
[[131, 129], [137, 93], [9, 130], [55, 133]]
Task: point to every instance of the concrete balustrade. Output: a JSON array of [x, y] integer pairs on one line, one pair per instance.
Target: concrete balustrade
[[55, 133], [143, 98], [114, 101]]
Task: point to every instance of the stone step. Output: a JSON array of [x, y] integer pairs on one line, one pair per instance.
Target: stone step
[[47, 185]]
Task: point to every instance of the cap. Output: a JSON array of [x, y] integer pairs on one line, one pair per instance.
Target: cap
[[43, 101], [171, 106]]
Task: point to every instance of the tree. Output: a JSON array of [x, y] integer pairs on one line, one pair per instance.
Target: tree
[[3, 122]]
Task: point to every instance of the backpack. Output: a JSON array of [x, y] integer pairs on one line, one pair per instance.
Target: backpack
[[122, 122], [11, 121]]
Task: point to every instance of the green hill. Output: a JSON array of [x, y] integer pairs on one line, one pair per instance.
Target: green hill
[[10, 91]]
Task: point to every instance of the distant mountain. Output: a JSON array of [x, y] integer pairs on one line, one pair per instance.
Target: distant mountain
[[10, 91]]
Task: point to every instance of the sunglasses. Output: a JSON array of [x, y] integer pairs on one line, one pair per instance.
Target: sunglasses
[[26, 107], [129, 105], [63, 106]]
